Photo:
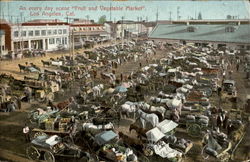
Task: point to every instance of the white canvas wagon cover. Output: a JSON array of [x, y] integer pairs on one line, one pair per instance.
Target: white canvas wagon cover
[[166, 126], [154, 134]]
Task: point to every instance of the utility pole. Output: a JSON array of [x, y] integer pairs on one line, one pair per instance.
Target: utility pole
[[170, 14], [122, 32], [178, 12], [157, 14], [110, 18], [21, 33], [73, 45]]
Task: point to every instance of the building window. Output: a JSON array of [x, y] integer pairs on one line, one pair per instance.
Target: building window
[[2, 48], [23, 34], [191, 29], [54, 32], [58, 40], [49, 32], [248, 47], [43, 32], [31, 33], [37, 32], [230, 29], [64, 31], [16, 33], [60, 31], [66, 42], [51, 41], [89, 28]]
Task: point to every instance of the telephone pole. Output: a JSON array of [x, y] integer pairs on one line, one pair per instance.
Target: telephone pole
[[157, 15], [110, 18], [170, 14], [178, 13], [122, 32]]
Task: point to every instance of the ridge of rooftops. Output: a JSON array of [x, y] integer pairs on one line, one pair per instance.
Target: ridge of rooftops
[[74, 23]]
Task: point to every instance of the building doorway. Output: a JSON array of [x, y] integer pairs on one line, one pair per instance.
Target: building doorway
[[37, 44]]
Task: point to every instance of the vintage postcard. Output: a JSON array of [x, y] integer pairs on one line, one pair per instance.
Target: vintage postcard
[[124, 80]]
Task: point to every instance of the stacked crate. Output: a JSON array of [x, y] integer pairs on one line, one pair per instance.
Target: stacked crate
[[49, 124], [63, 124]]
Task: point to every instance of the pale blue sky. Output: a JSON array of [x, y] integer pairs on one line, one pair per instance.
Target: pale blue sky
[[209, 9]]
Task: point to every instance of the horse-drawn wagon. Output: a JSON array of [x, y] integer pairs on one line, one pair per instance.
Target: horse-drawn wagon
[[48, 147]]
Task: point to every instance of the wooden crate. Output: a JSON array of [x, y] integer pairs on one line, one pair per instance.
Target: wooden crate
[[49, 124], [63, 124]]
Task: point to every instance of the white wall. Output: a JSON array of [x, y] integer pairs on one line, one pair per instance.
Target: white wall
[[47, 28]]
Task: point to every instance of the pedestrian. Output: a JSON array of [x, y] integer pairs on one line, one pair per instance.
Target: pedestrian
[[28, 93], [237, 66], [219, 121], [121, 77], [3, 92], [26, 132]]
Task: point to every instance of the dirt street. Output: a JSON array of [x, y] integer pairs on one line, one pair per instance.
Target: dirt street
[[12, 141]]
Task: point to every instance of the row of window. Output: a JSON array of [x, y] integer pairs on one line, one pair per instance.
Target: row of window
[[58, 40], [40, 32], [88, 28]]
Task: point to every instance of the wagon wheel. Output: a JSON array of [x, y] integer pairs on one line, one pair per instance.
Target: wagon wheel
[[148, 151], [194, 130], [203, 153], [33, 116], [32, 153], [48, 156], [39, 134], [41, 100]]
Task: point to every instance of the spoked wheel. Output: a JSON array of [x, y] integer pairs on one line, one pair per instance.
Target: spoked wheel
[[39, 134], [194, 130], [148, 151], [48, 156], [33, 116], [32, 153], [203, 153]]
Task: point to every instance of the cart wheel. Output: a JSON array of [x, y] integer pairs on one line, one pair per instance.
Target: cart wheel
[[194, 130], [48, 156], [203, 153], [148, 151], [33, 116], [39, 134], [32, 153]]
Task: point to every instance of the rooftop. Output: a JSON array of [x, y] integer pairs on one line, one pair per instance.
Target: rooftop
[[202, 32]]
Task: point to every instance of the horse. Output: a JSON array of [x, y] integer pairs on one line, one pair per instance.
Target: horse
[[128, 107], [48, 63], [100, 121], [63, 105], [135, 143], [97, 90], [91, 127], [36, 67], [140, 131], [43, 54], [147, 118], [22, 68], [159, 110]]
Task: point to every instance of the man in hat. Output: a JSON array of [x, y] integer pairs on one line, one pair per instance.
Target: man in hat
[[26, 132]]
